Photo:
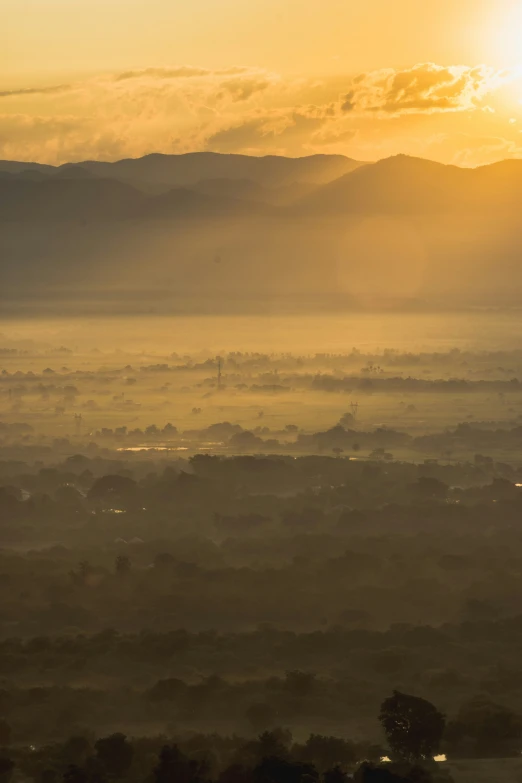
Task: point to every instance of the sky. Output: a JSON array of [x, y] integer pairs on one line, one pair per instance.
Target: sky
[[106, 79]]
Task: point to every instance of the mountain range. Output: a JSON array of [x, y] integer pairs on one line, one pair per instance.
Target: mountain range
[[205, 228], [210, 183]]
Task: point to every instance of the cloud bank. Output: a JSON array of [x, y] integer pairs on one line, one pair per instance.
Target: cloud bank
[[451, 113]]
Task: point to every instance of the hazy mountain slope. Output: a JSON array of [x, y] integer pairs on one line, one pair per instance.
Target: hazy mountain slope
[[392, 185], [71, 171], [34, 175], [67, 199], [16, 166], [401, 230], [188, 169], [249, 190], [404, 184], [182, 202], [156, 174]]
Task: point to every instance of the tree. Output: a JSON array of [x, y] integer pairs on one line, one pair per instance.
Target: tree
[[74, 774], [335, 775], [329, 753], [115, 752], [429, 487], [484, 729], [175, 767], [112, 487], [413, 726], [76, 750], [236, 773], [274, 769], [270, 744]]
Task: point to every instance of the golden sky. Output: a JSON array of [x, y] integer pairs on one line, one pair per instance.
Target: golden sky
[[369, 78]]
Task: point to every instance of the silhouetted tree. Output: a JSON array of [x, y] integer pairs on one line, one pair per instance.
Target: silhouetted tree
[[76, 750], [413, 726], [327, 752], [115, 752], [112, 487], [74, 774], [175, 767], [278, 770], [335, 775]]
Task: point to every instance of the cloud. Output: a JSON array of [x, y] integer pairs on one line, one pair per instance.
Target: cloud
[[424, 88], [186, 108], [348, 102], [331, 137], [281, 132], [52, 90], [243, 89], [181, 72], [56, 139], [464, 149]]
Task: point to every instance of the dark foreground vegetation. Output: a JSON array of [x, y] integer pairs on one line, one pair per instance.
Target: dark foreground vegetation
[[413, 727], [232, 593], [240, 594]]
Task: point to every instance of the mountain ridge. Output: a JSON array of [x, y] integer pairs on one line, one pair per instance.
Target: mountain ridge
[[396, 185], [403, 228], [189, 168]]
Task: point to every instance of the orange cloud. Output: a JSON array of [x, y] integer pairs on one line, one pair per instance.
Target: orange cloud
[[247, 109], [52, 90], [424, 88]]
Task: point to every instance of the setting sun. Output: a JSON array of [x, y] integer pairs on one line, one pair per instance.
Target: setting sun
[[506, 33]]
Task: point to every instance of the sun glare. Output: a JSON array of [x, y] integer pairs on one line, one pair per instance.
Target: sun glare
[[507, 34]]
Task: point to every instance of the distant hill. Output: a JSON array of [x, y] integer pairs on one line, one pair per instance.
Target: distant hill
[[67, 199], [169, 171], [186, 170], [261, 232], [405, 184], [70, 171], [399, 185], [182, 202], [64, 198], [16, 166], [248, 190]]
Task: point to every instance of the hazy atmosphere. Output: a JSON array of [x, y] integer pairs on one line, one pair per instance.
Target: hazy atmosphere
[[260, 391]]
